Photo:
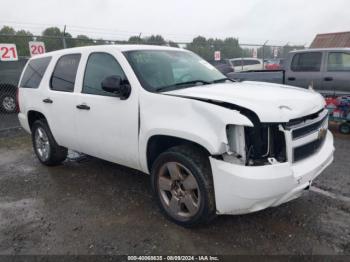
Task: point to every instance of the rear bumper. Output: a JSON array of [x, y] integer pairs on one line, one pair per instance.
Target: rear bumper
[[245, 189], [24, 122]]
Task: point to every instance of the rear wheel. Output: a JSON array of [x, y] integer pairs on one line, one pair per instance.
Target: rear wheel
[[182, 183], [45, 147]]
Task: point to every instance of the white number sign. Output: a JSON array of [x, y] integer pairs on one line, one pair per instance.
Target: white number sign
[[36, 48], [8, 52], [217, 55]]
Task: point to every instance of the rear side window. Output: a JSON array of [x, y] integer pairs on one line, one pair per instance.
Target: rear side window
[[237, 63], [100, 66], [251, 62], [307, 62], [338, 61], [63, 77], [34, 72]]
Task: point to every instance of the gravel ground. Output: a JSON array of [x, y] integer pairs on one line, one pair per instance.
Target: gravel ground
[[8, 121], [89, 206]]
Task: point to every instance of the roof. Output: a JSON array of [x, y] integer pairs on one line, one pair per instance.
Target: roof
[[101, 48], [320, 50], [340, 39], [245, 58]]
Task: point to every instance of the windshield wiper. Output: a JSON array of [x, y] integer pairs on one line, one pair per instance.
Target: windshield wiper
[[190, 83], [222, 80]]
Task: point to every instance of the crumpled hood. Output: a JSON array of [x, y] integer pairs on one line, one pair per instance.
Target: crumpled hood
[[271, 102]]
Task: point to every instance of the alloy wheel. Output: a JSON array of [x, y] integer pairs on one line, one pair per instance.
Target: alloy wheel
[[9, 103], [42, 144], [179, 191]]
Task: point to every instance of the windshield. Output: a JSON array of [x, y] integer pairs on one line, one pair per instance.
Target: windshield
[[164, 70]]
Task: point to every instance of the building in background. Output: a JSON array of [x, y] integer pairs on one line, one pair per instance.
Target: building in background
[[329, 40]]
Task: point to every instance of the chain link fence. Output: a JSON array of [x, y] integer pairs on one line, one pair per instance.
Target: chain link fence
[[9, 76]]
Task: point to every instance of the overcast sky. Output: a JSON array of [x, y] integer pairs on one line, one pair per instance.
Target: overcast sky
[[252, 21]]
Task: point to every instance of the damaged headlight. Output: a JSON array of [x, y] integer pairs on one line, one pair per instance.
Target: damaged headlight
[[236, 144], [258, 145]]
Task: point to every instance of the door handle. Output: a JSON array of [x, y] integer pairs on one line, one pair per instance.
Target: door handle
[[291, 78], [328, 78], [47, 101], [83, 107]]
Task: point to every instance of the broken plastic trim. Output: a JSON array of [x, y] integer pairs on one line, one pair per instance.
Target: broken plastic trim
[[254, 141]]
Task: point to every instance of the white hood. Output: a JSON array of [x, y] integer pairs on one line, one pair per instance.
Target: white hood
[[271, 102]]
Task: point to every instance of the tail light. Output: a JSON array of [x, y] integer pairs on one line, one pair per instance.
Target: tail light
[[17, 100]]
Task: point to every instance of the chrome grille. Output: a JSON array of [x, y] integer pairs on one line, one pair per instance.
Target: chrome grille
[[305, 130], [307, 136]]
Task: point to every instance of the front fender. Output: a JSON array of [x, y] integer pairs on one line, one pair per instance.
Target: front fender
[[197, 121]]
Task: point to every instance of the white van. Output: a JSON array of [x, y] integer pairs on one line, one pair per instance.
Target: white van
[[246, 64]]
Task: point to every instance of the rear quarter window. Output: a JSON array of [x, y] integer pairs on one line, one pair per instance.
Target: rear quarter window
[[34, 72]]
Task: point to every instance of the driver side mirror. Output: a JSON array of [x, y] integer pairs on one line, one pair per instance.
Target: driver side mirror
[[114, 84]]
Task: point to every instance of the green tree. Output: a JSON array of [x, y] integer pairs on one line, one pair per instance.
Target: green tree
[[83, 40], [7, 34], [52, 37], [155, 40], [19, 38], [135, 40], [201, 46], [173, 44], [22, 42]]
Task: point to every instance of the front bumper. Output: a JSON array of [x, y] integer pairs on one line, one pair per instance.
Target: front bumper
[[245, 189]]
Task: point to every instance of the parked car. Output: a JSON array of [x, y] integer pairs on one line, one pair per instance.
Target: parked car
[[10, 72], [211, 146], [224, 66], [246, 64], [274, 64], [326, 70]]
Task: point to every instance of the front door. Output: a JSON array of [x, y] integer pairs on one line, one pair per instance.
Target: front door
[[107, 126]]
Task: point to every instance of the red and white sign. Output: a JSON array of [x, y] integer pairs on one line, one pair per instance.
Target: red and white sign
[[217, 55], [255, 52], [8, 52], [36, 48]]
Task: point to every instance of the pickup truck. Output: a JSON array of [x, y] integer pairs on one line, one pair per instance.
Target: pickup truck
[[211, 145], [10, 73], [326, 70]]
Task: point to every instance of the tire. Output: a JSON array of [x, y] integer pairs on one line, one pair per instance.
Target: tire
[[174, 190], [45, 147], [8, 103], [344, 128]]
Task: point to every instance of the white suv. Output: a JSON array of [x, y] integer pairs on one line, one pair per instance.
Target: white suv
[[246, 64], [211, 146]]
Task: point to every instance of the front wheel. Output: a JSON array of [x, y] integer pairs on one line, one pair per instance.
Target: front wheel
[[183, 185], [45, 147]]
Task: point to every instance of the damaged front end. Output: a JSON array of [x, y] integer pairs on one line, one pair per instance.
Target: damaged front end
[[262, 144]]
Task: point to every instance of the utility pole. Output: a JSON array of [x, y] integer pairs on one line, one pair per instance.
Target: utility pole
[[64, 38], [263, 54], [139, 39]]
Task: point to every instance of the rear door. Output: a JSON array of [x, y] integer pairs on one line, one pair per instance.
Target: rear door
[[337, 73], [59, 100], [305, 69]]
